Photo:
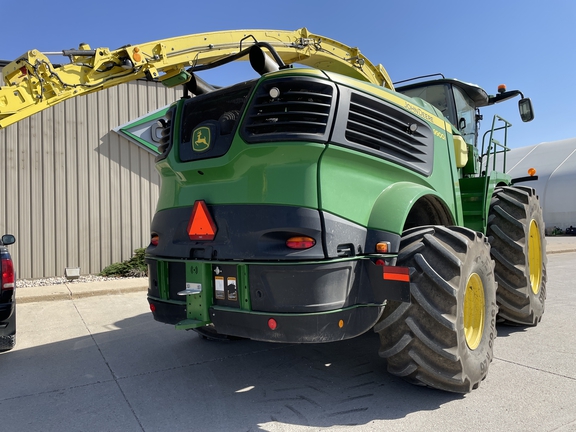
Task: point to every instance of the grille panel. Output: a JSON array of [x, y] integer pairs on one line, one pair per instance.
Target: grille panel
[[390, 132], [301, 109]]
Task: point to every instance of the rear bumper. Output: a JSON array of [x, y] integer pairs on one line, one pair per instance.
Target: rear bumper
[[288, 328], [309, 328], [7, 319], [309, 302]]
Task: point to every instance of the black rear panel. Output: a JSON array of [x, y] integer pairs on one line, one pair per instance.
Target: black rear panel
[[177, 278], [217, 112], [304, 288], [244, 232], [259, 233]]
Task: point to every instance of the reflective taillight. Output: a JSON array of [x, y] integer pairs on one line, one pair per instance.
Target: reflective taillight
[[7, 274], [154, 240]]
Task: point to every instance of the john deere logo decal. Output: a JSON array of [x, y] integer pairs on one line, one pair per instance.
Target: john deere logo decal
[[201, 139]]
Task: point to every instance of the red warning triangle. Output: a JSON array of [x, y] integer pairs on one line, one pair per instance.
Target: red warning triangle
[[201, 225]]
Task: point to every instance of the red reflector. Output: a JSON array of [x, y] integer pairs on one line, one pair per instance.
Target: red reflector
[[300, 242], [380, 262], [152, 307], [272, 324], [201, 225], [7, 274], [401, 274]]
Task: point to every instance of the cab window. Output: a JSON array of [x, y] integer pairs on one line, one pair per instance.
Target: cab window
[[437, 95], [466, 113]]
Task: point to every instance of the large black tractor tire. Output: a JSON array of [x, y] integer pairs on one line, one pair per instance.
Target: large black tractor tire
[[516, 234], [444, 337]]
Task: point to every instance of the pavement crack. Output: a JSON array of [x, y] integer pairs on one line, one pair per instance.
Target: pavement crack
[[114, 377], [536, 369], [48, 392], [564, 427]]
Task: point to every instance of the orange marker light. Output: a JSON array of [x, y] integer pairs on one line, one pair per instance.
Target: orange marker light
[[201, 225], [501, 88], [136, 54], [383, 247], [531, 171], [300, 242]]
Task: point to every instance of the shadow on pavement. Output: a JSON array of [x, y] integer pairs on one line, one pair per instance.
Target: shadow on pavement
[[174, 379]]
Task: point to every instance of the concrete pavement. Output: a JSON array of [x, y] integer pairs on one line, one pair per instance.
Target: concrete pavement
[[69, 291], [102, 363]]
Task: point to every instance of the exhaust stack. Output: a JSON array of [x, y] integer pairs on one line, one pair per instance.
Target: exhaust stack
[[198, 86], [261, 62]]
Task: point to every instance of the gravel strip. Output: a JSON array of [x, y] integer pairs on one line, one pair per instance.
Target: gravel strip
[[28, 283]]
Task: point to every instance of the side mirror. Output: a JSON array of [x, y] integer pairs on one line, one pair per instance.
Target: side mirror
[[7, 239], [526, 110]]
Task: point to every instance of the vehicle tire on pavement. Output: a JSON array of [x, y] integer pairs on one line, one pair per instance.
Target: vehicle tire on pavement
[[7, 342], [516, 234], [444, 337]]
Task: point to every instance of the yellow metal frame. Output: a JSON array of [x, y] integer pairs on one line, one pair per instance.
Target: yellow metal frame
[[33, 83]]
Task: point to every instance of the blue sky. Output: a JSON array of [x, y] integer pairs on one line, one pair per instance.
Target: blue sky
[[527, 45]]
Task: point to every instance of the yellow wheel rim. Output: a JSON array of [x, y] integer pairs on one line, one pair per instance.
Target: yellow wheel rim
[[474, 311], [535, 257]]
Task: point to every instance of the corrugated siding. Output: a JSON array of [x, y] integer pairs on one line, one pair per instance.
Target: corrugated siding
[[72, 191]]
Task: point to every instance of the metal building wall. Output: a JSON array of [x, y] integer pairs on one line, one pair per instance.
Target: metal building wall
[[555, 164], [72, 191]]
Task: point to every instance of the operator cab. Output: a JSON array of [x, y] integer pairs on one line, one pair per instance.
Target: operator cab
[[459, 102]]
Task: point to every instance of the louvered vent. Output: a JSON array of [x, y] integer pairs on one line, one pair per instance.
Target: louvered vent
[[390, 133], [291, 108]]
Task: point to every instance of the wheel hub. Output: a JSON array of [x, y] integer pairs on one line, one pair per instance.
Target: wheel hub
[[535, 257], [474, 311]]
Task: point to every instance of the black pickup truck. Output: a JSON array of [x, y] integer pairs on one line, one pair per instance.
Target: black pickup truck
[[7, 299]]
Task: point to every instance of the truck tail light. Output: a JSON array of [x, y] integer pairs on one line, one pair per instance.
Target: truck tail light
[[300, 242], [8, 277]]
